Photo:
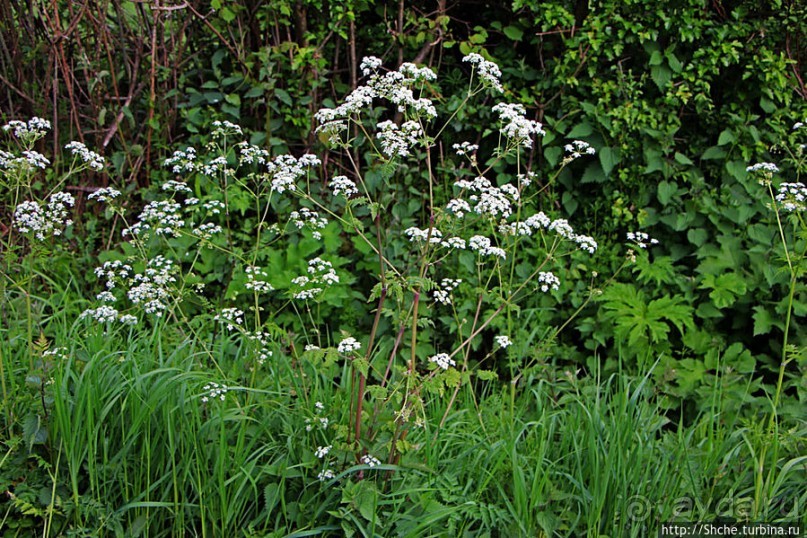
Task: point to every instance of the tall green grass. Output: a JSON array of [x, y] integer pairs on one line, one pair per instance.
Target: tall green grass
[[133, 451]]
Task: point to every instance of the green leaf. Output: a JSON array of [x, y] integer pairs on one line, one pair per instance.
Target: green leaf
[[593, 174], [674, 63], [552, 155], [283, 96], [763, 321], [737, 169], [513, 32], [726, 137], [680, 158], [580, 130], [666, 190], [609, 158], [697, 236], [661, 75], [713, 152], [227, 14]]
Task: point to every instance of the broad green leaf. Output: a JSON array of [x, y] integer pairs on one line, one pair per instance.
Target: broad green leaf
[[513, 32], [666, 190], [580, 130], [713, 152], [680, 158], [661, 75], [609, 158], [726, 137]]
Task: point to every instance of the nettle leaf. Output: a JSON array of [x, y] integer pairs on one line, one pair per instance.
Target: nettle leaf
[[609, 158], [661, 75]]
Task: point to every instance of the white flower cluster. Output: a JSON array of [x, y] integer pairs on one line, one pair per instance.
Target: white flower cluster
[[255, 282], [466, 148], [105, 194], [306, 218], [173, 185], [641, 239], [114, 272], [489, 72], [233, 318], [348, 345], [216, 165], [252, 154], [162, 216], [577, 149], [325, 475], [515, 125], [182, 161], [443, 360], [792, 196], [92, 159], [483, 245], [443, 294], [286, 170], [214, 391], [433, 235], [763, 167], [458, 207], [488, 200], [206, 231], [28, 132], [214, 207], [397, 142], [30, 217], [322, 422], [341, 185], [225, 128], [370, 461], [503, 341], [395, 86], [262, 340], [320, 274], [322, 451], [151, 288], [548, 281]]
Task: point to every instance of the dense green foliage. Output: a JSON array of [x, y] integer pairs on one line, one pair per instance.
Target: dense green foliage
[[688, 355]]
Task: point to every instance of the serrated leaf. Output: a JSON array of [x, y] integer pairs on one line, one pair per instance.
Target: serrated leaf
[[673, 61], [697, 236], [552, 155], [609, 158], [593, 174], [763, 322], [661, 75], [283, 96]]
